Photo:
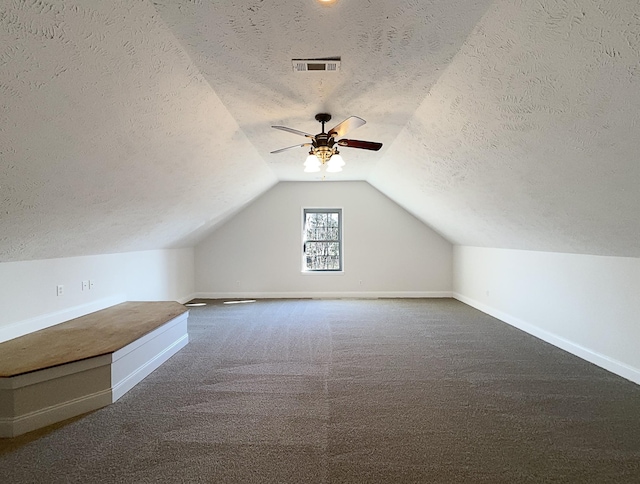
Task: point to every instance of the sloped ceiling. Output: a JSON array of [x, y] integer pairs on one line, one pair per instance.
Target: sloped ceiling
[[133, 125], [111, 139], [530, 138]]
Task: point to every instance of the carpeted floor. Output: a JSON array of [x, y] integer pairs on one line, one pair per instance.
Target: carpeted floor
[[353, 391]]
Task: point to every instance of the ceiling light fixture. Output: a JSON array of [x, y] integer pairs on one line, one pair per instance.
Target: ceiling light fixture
[[335, 163], [325, 150], [324, 146], [312, 163]]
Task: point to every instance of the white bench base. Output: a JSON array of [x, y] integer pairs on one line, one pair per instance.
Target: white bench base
[[34, 400]]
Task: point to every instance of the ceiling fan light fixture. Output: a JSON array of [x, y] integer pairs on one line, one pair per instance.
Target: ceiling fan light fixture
[[337, 160], [312, 161], [335, 164]]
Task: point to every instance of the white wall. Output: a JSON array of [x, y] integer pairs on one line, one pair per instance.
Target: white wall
[[387, 251], [29, 302], [587, 305]]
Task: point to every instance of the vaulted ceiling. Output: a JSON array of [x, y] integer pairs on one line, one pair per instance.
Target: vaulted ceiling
[[132, 125]]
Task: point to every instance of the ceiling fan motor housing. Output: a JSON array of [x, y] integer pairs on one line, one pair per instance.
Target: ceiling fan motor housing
[[323, 145]]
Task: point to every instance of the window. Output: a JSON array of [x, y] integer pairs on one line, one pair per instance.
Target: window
[[322, 239]]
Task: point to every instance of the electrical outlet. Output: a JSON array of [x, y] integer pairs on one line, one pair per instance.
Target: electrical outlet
[[91, 283], [60, 290], [85, 285]]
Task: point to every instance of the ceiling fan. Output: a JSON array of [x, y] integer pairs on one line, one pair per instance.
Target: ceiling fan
[[324, 146]]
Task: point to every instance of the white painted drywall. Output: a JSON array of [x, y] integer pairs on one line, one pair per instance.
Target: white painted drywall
[[587, 305], [29, 301], [258, 252]]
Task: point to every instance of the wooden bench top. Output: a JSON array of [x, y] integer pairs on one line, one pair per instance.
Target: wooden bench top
[[94, 334]]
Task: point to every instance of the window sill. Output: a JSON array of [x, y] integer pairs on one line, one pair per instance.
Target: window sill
[[322, 273]]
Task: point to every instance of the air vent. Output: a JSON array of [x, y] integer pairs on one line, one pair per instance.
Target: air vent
[[327, 64]]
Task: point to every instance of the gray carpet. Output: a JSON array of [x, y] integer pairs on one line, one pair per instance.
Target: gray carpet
[[332, 391]]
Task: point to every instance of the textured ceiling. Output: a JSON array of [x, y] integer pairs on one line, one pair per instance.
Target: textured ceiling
[[132, 125], [391, 52], [530, 138]]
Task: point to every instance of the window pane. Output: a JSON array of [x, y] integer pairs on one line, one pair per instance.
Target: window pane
[[322, 240], [322, 255], [322, 226]]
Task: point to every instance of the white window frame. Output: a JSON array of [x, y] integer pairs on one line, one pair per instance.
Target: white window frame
[[303, 218]]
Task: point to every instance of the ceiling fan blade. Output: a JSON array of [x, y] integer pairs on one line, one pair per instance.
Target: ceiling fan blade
[[294, 131], [364, 145], [347, 125], [291, 147]]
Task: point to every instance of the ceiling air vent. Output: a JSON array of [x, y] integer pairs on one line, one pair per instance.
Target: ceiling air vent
[[326, 64]]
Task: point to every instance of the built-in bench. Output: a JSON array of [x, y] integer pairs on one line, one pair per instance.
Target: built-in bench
[[86, 363]]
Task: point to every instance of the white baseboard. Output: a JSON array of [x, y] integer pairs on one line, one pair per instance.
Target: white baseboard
[[324, 295], [20, 328], [12, 427], [598, 359], [186, 299]]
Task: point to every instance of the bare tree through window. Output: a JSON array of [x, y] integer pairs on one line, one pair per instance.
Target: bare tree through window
[[322, 239]]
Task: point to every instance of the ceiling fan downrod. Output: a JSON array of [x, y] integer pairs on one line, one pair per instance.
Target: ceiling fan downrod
[[323, 118]]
